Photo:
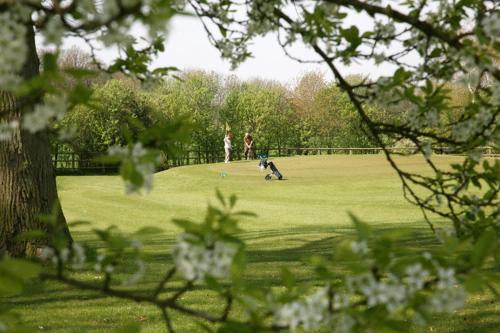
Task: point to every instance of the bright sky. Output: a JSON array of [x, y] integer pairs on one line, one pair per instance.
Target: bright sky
[[188, 48]]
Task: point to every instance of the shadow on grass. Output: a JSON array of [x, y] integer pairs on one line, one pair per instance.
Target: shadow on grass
[[268, 250], [273, 249]]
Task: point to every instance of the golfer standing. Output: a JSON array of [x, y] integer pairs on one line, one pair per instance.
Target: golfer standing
[[248, 143], [227, 146]]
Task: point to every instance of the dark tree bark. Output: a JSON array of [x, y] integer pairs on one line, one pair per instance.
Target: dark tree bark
[[27, 179]]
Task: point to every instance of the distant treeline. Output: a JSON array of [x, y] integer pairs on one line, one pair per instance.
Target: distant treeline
[[310, 112]]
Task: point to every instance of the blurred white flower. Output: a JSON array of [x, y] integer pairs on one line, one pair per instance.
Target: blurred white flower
[[195, 261], [390, 292], [14, 50], [79, 257], [311, 312], [427, 149], [446, 278], [136, 244], [54, 107], [53, 32], [343, 323], [47, 253], [138, 275], [360, 247], [144, 166], [7, 129], [448, 300], [416, 277], [491, 25]]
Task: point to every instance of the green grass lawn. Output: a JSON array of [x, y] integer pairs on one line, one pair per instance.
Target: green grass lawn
[[298, 217]]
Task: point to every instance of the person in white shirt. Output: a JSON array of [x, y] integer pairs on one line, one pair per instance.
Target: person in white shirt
[[227, 146]]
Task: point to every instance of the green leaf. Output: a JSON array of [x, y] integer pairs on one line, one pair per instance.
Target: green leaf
[[220, 197], [245, 213], [238, 266], [213, 284], [363, 229], [485, 246], [474, 283], [187, 225], [32, 234], [144, 231], [78, 223], [287, 278], [22, 269], [400, 76], [352, 36], [9, 285], [50, 62], [232, 200]]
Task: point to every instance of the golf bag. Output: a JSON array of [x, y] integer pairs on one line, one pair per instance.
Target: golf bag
[[264, 163]]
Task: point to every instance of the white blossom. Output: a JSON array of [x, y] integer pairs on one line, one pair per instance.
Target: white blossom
[[79, 256], [495, 94], [419, 118], [379, 58], [446, 278], [64, 255], [416, 277], [491, 25], [195, 261], [88, 7], [136, 154], [343, 323], [448, 300], [99, 267], [14, 50], [390, 292], [7, 129], [360, 247], [116, 38], [53, 107], [47, 253], [427, 149], [53, 31], [475, 155], [427, 255], [340, 301], [136, 244], [138, 275], [109, 9], [310, 312], [66, 133]]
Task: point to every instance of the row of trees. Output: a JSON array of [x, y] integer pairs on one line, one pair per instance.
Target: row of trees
[[313, 113], [310, 112]]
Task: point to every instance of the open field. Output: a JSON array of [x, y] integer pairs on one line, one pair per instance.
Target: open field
[[298, 217]]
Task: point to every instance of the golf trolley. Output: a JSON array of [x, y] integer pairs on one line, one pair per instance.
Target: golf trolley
[[264, 163]]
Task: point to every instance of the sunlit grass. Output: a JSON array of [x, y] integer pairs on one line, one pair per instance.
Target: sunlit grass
[[297, 218]]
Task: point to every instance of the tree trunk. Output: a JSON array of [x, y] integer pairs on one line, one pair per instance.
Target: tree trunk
[[27, 179]]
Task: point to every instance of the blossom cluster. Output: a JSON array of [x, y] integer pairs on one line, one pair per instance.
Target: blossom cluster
[[194, 260], [7, 129], [75, 255], [393, 292], [491, 25], [14, 50], [311, 312], [136, 154], [54, 107]]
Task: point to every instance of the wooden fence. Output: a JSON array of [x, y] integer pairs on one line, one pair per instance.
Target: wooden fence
[[71, 162]]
